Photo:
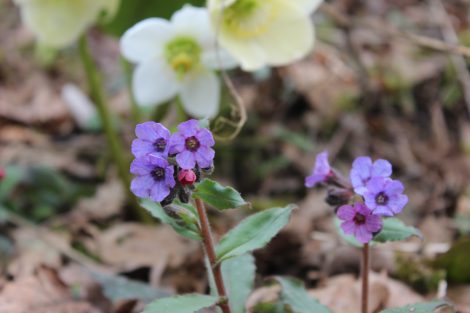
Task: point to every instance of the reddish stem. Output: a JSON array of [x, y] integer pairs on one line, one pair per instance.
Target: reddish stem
[[210, 251], [365, 278]]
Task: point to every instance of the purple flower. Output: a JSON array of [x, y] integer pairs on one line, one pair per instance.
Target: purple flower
[[364, 170], [385, 196], [321, 170], [154, 177], [359, 221], [151, 138], [192, 145]]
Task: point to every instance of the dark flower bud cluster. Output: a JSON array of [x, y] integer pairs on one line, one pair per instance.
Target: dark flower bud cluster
[[365, 198], [166, 166]]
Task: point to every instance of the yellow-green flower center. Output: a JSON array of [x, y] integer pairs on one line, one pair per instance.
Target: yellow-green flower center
[[183, 54], [249, 18], [241, 8]]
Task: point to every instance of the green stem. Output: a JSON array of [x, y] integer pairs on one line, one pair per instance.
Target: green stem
[[136, 112], [117, 151], [181, 113]]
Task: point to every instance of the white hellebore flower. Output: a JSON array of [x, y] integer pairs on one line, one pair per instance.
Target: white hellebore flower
[[264, 32], [177, 57], [58, 23]]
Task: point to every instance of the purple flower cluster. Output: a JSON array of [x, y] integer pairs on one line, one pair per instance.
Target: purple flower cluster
[[162, 157], [378, 195]]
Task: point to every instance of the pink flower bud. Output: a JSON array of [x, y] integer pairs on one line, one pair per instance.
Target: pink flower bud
[[186, 177], [2, 173]]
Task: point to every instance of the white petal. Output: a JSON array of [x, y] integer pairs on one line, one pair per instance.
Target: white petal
[[59, 23], [249, 53], [194, 22], [218, 59], [153, 83], [289, 38], [146, 39], [308, 6], [200, 94], [278, 34], [81, 107]]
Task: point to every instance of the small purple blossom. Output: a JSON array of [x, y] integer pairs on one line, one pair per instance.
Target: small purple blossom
[[154, 177], [364, 170], [152, 138], [385, 196], [192, 145], [321, 170], [359, 221]]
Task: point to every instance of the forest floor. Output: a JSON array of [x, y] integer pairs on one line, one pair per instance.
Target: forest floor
[[368, 89]]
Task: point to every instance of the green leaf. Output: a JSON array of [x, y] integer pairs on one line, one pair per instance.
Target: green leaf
[[239, 279], [456, 262], [218, 196], [119, 288], [187, 206], [181, 304], [296, 297], [395, 230], [253, 233], [188, 231], [427, 307], [13, 176]]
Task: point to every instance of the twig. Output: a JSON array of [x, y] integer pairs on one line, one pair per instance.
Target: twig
[[428, 42], [210, 251], [450, 36], [365, 279]]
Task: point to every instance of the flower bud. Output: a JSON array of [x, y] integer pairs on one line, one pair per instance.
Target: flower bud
[[180, 214], [187, 177], [208, 170], [337, 179], [338, 196], [2, 173], [169, 199], [184, 194]]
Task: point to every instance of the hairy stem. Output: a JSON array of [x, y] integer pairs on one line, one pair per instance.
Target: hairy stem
[[210, 251], [365, 278], [118, 153]]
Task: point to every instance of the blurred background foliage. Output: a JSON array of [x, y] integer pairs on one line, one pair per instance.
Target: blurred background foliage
[[133, 11]]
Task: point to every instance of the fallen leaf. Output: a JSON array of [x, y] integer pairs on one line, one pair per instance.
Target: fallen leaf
[[43, 292]]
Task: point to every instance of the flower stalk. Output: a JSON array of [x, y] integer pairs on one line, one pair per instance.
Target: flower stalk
[[210, 251], [365, 278], [114, 143]]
